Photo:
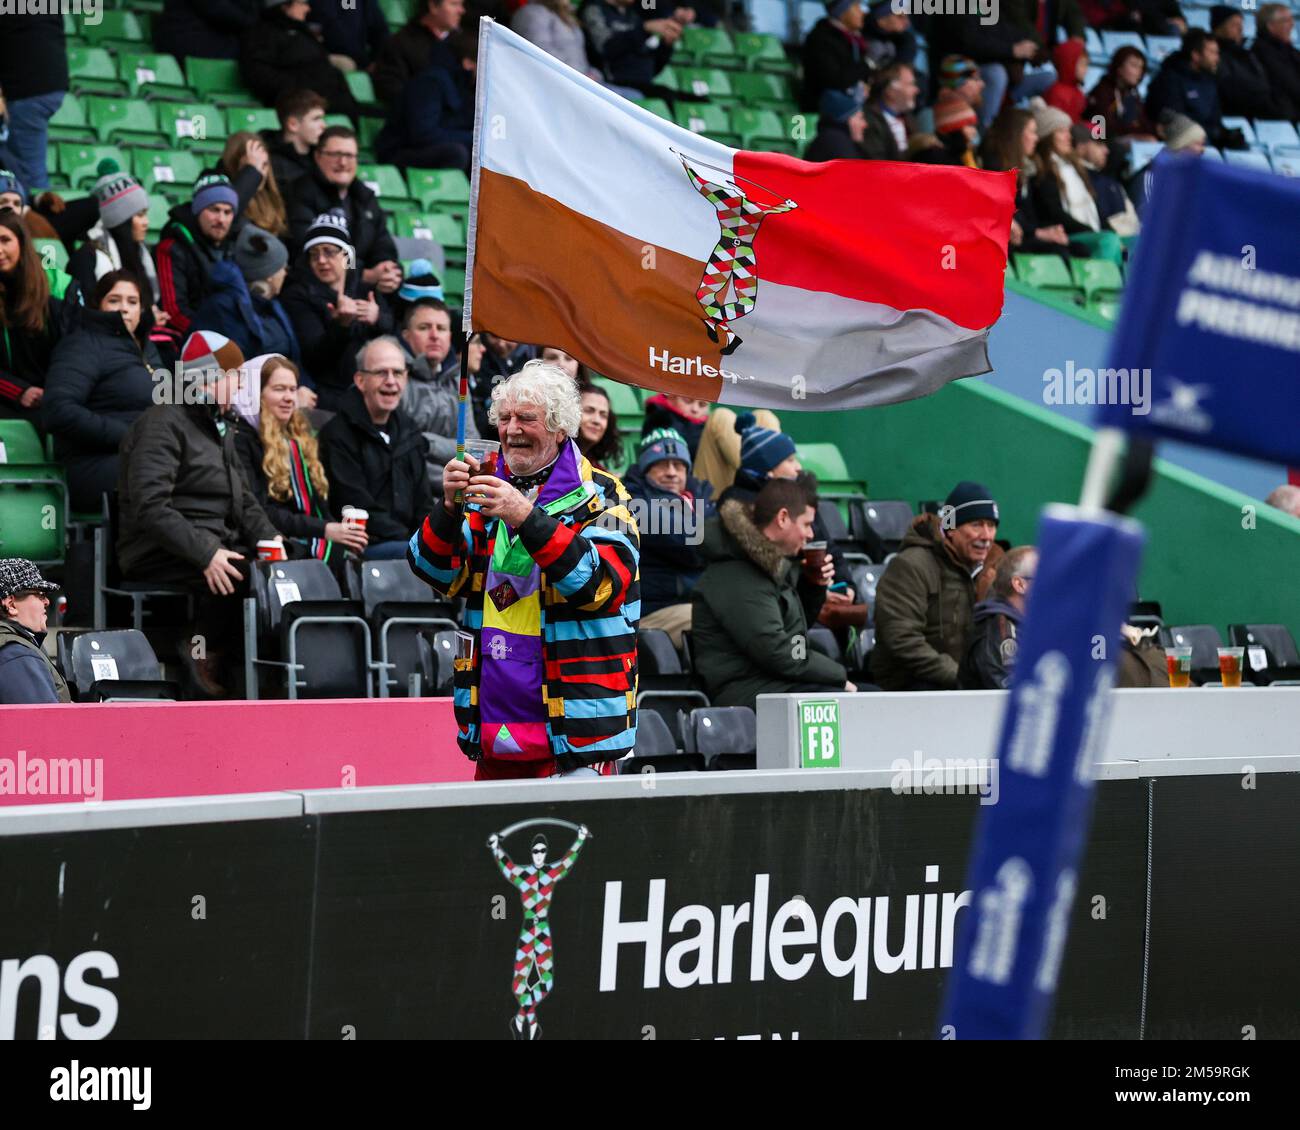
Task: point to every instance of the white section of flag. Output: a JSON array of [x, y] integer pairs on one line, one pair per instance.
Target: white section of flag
[[592, 151]]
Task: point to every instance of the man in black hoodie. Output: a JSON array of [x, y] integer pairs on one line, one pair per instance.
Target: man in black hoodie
[[282, 54], [1243, 85], [1281, 61], [374, 454], [332, 186], [301, 114], [991, 646], [1187, 83]]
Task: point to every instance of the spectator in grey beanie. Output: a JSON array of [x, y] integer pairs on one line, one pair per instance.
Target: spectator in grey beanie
[[244, 304], [119, 242]]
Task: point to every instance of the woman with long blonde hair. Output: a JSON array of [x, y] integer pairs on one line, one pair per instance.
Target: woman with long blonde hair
[[266, 210], [281, 459]]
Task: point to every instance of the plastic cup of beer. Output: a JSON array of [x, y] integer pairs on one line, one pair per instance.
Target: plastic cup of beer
[[487, 452], [1230, 665], [355, 516], [1178, 661], [269, 550], [814, 555]]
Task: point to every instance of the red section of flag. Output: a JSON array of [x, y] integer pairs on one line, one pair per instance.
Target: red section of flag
[[913, 237]]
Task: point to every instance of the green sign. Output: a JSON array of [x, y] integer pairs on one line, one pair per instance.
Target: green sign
[[819, 733]]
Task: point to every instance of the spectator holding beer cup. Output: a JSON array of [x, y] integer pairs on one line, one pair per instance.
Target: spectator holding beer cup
[[281, 460]]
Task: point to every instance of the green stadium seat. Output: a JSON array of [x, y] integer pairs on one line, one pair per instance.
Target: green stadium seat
[[1097, 278], [208, 77], [658, 107], [91, 70], [338, 120], [667, 78], [453, 285], [33, 511], [153, 75], [22, 443], [624, 401], [440, 190], [396, 12], [70, 124], [386, 182], [757, 128], [1105, 307], [442, 227], [1046, 272], [159, 209], [52, 253], [117, 31], [759, 88], [762, 53], [368, 132], [710, 46], [196, 125], [363, 90], [823, 460], [162, 167], [710, 82], [79, 162], [707, 119], [131, 121], [253, 118]]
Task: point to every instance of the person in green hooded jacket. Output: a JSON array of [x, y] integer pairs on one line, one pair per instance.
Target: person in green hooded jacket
[[753, 604]]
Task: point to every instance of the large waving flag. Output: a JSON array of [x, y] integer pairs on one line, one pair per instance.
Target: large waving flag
[[666, 260]]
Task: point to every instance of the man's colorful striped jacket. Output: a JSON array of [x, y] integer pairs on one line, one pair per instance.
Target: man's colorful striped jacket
[[581, 548]]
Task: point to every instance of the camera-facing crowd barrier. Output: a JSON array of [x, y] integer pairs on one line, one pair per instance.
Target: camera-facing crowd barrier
[[794, 904], [134, 751], [894, 730]]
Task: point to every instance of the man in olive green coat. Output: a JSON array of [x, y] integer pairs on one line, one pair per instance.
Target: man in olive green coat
[[926, 599], [752, 605]]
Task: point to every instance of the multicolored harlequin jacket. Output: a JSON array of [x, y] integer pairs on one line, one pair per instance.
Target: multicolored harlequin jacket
[[553, 609]]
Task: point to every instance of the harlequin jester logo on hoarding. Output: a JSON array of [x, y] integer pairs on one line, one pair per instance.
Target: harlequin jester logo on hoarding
[[728, 288], [534, 972]]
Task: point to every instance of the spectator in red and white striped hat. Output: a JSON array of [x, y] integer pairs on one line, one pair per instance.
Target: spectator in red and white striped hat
[[955, 123], [186, 515]]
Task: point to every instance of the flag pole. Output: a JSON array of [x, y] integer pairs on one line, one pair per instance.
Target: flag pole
[[464, 408]]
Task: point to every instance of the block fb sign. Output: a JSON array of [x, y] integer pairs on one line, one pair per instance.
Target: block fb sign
[[819, 733]]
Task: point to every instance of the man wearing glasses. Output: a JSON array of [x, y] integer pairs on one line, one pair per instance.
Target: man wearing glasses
[[374, 453], [332, 186], [26, 673]]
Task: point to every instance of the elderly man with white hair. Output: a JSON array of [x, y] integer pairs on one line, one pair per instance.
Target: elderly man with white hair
[[546, 554]]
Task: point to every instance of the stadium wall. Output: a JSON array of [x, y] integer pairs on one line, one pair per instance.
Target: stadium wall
[[1213, 555]]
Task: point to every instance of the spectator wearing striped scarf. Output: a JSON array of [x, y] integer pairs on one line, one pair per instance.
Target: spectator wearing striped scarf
[[281, 458]]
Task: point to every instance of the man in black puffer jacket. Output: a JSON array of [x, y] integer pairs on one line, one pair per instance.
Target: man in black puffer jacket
[[281, 54], [332, 186], [209, 29], [374, 454], [186, 513], [1281, 61]]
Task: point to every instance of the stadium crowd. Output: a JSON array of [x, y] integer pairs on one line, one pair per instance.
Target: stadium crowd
[[282, 264]]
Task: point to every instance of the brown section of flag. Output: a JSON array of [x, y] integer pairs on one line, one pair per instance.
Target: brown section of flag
[[597, 294]]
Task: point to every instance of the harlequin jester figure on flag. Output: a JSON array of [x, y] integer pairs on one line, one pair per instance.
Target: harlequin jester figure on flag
[[546, 553]]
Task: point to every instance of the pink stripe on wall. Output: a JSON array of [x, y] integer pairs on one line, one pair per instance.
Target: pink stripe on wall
[[203, 749]]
